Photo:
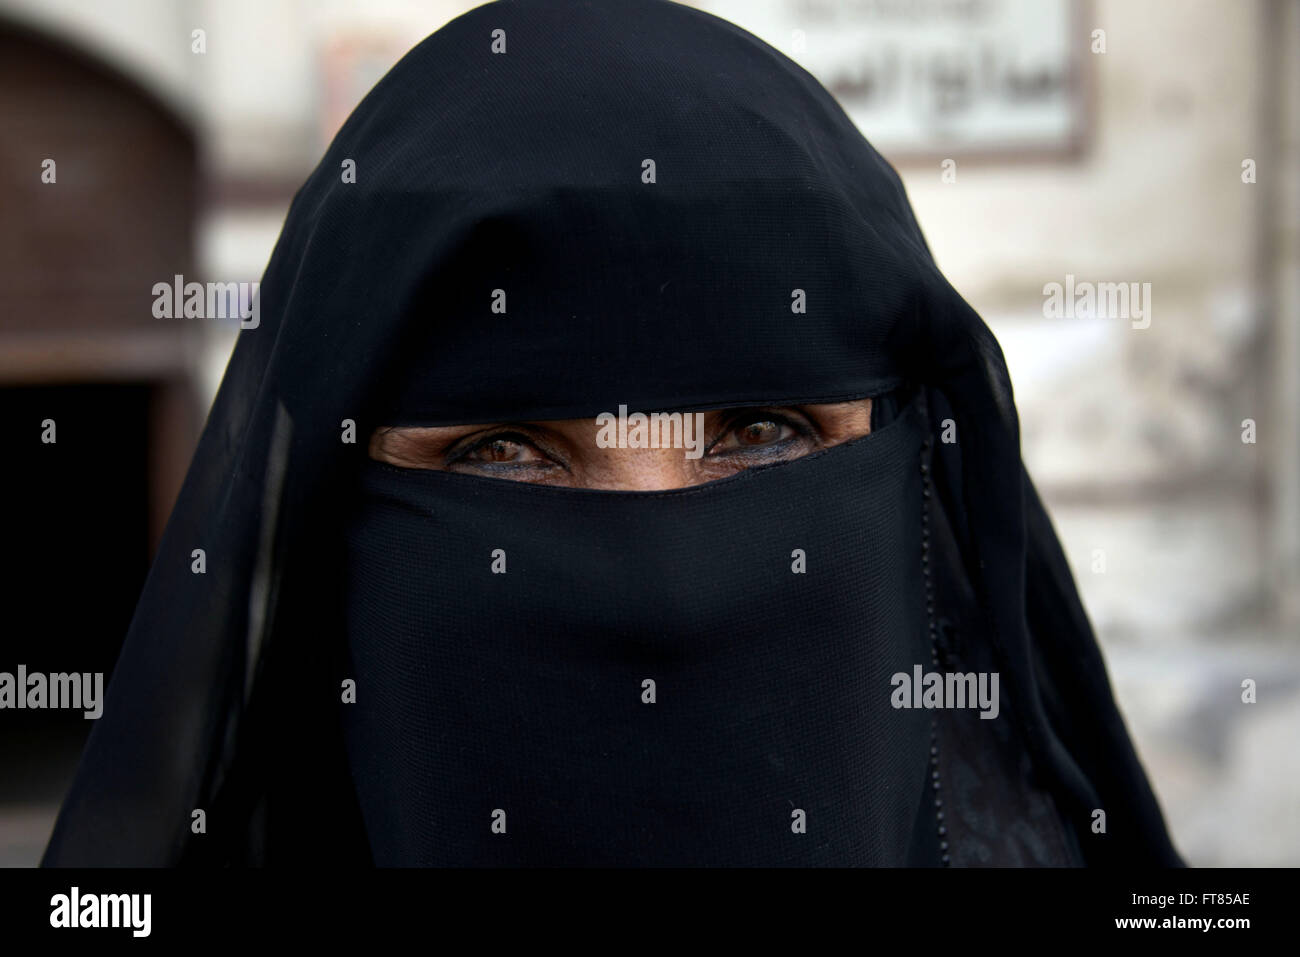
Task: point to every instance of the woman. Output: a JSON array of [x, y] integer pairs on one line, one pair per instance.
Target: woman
[[455, 613]]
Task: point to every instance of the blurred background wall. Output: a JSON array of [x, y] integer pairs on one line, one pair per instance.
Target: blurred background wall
[[1153, 142]]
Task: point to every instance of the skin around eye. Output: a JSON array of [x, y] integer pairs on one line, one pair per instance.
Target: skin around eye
[[565, 453]]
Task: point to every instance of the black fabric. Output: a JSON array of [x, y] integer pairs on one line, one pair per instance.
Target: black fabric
[[523, 689], [525, 171]]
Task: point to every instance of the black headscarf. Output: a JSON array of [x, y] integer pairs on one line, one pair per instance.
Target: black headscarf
[[675, 216]]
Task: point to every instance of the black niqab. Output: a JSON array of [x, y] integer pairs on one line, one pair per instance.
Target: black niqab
[[652, 190]]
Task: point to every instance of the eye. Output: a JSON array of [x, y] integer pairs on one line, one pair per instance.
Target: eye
[[757, 430], [508, 449], [760, 432]]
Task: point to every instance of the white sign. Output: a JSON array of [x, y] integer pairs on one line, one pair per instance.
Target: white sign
[[938, 77]]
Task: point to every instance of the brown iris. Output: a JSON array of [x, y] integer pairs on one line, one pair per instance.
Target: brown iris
[[497, 450], [760, 432]]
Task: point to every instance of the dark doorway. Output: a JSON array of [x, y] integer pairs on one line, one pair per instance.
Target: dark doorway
[[76, 518]]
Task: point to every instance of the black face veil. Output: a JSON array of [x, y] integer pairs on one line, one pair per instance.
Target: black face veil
[[558, 209]]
